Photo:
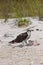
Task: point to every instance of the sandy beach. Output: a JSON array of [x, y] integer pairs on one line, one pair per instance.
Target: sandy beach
[[26, 55]]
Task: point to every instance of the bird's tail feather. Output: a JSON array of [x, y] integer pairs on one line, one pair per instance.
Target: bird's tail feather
[[12, 42]]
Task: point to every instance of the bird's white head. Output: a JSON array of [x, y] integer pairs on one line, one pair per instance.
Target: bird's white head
[[29, 32]]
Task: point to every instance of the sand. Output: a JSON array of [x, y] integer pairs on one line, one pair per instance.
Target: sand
[[26, 55]]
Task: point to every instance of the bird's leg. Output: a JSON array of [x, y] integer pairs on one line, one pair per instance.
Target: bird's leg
[[23, 43], [26, 41]]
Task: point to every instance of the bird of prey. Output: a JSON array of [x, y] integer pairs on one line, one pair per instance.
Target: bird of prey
[[22, 37]]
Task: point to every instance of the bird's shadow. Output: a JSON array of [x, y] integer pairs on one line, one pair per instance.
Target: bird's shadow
[[21, 46], [18, 46]]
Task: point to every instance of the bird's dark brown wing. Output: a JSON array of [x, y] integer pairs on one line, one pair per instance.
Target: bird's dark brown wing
[[20, 38]]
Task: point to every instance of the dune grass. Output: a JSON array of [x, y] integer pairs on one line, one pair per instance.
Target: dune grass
[[23, 8]]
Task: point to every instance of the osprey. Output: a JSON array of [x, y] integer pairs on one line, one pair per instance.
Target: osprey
[[22, 37]]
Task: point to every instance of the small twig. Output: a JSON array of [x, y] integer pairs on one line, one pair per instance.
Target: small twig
[[30, 27]]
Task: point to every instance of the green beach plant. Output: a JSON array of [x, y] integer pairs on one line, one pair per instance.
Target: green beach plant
[[23, 22]]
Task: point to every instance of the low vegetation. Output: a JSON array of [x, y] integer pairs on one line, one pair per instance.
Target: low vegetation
[[24, 22], [20, 8]]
